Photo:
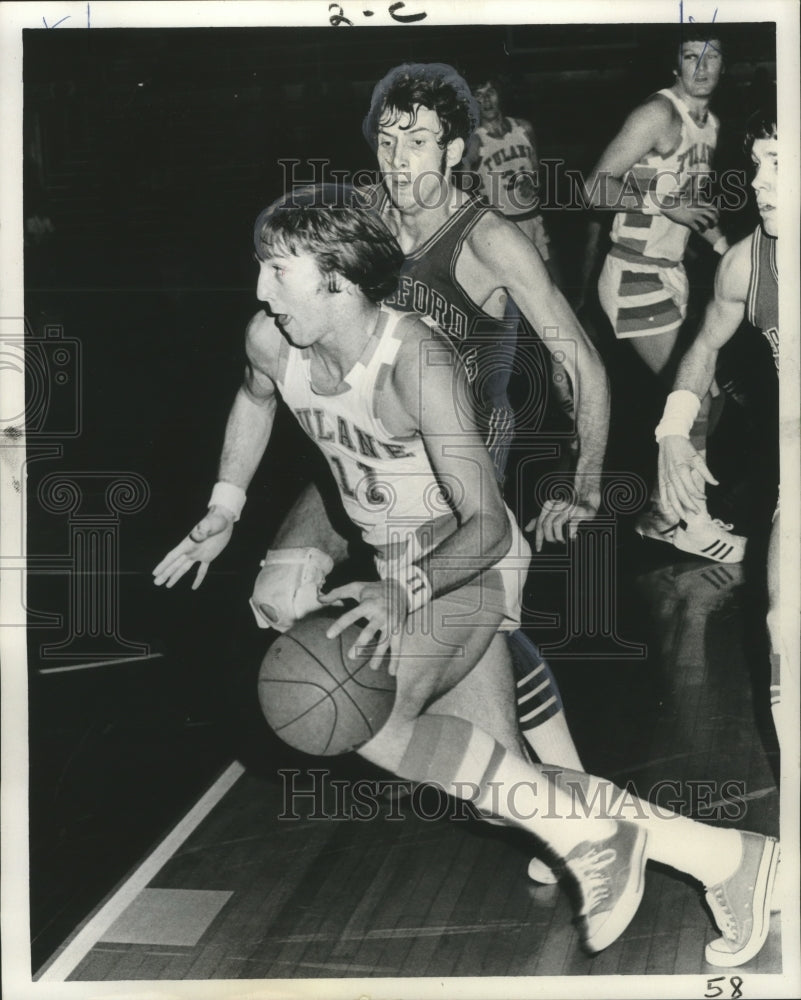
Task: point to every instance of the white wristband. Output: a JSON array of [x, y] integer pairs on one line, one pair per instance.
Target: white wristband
[[681, 409], [721, 245], [417, 586], [229, 496]]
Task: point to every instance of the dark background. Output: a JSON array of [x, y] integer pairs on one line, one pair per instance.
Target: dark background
[[152, 152]]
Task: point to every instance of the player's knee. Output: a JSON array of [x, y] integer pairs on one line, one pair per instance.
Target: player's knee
[[288, 585]]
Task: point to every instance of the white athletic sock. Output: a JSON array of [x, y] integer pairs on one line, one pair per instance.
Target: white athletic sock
[[552, 743], [709, 853]]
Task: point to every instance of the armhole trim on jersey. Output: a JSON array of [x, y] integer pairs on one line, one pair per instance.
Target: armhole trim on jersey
[[675, 104], [458, 249], [385, 370], [774, 266], [752, 278]]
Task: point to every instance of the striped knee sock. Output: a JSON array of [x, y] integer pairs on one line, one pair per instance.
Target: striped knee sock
[[538, 696], [540, 713], [468, 763]]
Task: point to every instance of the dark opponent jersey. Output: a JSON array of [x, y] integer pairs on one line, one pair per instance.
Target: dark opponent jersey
[[762, 302]]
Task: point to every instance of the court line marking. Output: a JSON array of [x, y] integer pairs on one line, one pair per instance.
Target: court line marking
[[97, 925], [99, 663], [399, 933]]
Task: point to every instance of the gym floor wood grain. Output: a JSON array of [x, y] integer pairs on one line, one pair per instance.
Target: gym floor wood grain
[[402, 895]]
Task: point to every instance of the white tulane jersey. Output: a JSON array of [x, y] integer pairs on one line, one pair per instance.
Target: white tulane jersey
[[682, 171], [502, 159], [387, 485]]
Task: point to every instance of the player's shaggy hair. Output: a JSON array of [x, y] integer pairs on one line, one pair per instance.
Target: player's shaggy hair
[[435, 86], [710, 34], [335, 225], [762, 124]]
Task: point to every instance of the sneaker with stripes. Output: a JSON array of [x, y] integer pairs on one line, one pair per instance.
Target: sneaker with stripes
[[710, 538]]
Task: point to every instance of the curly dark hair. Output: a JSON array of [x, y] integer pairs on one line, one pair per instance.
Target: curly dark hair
[[710, 34], [435, 86], [762, 124], [343, 233]]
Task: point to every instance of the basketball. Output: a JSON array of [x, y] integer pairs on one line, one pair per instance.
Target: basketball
[[314, 697]]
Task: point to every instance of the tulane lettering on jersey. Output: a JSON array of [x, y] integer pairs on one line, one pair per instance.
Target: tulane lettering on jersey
[[381, 476], [700, 152], [319, 427], [414, 295], [506, 154]]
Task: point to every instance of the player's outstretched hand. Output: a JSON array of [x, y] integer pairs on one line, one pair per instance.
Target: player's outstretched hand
[[203, 544], [682, 475], [558, 515], [696, 217], [384, 606]]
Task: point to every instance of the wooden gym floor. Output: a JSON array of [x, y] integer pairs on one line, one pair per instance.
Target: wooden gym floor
[[238, 890]]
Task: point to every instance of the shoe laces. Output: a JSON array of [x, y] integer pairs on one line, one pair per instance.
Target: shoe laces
[[722, 525], [591, 871], [724, 915]]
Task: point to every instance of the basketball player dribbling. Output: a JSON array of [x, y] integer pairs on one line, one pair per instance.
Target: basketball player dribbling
[[654, 175], [746, 285], [462, 262], [415, 477]]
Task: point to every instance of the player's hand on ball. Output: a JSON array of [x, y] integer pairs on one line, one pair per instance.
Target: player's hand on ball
[[682, 477], [384, 606], [556, 515], [202, 545]]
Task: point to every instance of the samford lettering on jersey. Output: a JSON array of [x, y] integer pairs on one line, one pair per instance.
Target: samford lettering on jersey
[[416, 296], [318, 426]]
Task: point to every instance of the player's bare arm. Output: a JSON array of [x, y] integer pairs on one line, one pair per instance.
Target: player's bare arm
[[682, 471], [250, 421], [496, 248], [247, 432], [428, 400]]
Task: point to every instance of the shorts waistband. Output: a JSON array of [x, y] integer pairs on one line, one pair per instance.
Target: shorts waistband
[[637, 258]]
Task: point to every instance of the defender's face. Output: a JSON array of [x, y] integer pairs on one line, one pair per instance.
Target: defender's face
[[765, 157], [296, 293], [700, 67], [488, 101], [414, 167]]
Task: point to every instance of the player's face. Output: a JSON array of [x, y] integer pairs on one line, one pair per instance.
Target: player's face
[[296, 293], [765, 157], [488, 101], [700, 66], [414, 167]]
